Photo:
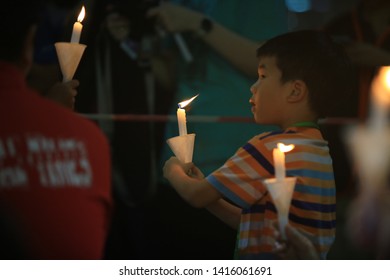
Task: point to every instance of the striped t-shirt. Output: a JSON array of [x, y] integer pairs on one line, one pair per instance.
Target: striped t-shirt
[[313, 205]]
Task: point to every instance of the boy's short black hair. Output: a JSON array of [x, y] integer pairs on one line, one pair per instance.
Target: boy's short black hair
[[312, 56], [16, 18]]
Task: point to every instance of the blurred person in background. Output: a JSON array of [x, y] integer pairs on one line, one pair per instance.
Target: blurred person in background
[[117, 65], [55, 191], [364, 31]]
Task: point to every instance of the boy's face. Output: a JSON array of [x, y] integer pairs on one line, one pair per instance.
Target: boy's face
[[268, 93]]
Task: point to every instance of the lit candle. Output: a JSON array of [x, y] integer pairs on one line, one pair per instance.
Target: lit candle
[[279, 160], [181, 119], [181, 115], [380, 90], [77, 27]]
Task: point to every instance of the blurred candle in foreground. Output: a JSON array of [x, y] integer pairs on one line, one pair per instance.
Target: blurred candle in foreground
[[279, 160], [77, 27], [181, 115], [380, 96]]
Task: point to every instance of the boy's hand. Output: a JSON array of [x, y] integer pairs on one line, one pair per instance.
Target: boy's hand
[[174, 166], [171, 166], [196, 173]]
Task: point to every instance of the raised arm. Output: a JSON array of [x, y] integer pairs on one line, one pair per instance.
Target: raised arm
[[237, 49]]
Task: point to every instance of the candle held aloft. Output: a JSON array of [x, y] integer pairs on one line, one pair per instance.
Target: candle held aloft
[[78, 27], [279, 160], [181, 115]]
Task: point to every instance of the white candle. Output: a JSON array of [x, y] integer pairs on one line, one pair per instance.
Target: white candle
[[279, 160], [380, 90], [77, 27], [181, 119], [181, 115]]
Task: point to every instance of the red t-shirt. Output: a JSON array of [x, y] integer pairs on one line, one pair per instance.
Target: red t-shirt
[[54, 174]]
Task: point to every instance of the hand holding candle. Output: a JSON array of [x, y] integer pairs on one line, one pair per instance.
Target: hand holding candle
[[281, 187], [183, 145], [77, 27], [69, 54]]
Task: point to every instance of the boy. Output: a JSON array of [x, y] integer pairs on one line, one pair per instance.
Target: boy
[[301, 75]]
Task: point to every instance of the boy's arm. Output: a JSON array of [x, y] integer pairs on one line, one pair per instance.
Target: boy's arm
[[195, 190], [226, 212]]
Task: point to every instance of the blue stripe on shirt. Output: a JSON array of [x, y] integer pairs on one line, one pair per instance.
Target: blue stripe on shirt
[[305, 221], [310, 174], [323, 208], [257, 208], [312, 223], [315, 190], [306, 156], [259, 158]]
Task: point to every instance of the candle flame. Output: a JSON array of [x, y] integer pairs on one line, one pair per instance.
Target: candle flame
[[381, 87], [285, 148], [81, 15], [186, 102]]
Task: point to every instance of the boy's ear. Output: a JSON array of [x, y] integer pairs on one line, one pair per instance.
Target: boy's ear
[[298, 92]]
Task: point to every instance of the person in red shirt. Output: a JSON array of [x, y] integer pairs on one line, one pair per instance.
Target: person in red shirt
[[54, 165]]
